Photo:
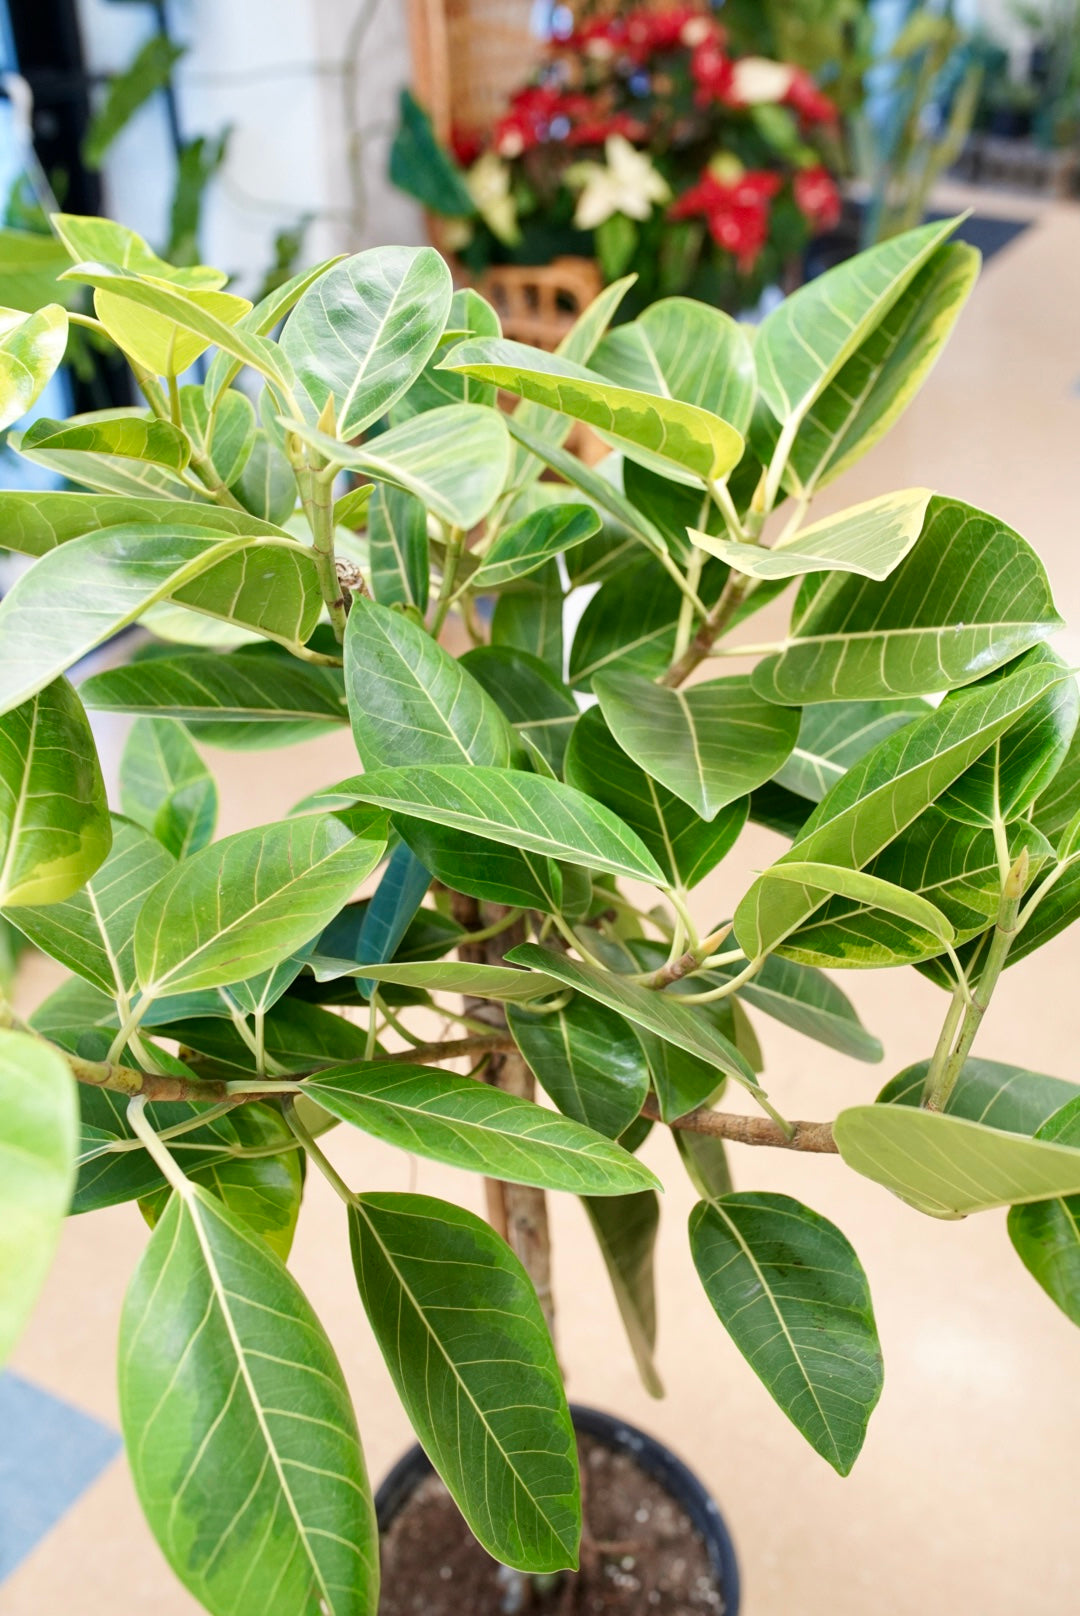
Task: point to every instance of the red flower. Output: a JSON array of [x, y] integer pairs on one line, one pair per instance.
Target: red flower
[[817, 197], [712, 72], [808, 101], [735, 211], [649, 31], [593, 131], [528, 120], [466, 144]]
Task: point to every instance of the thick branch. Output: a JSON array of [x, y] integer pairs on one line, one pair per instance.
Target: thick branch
[[733, 594], [810, 1136]]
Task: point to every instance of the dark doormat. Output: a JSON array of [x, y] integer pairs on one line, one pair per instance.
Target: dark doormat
[[988, 233]]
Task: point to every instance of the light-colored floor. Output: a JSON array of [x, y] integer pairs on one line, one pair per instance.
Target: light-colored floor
[[964, 1501]]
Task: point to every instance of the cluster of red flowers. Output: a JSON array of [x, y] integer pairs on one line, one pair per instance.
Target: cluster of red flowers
[[542, 112], [640, 35], [736, 211]]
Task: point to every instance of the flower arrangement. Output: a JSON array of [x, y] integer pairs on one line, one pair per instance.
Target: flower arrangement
[[642, 138]]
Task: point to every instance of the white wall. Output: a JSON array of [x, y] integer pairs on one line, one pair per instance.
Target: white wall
[[276, 71]]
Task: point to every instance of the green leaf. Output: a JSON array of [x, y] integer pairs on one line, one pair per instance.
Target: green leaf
[[1011, 1098], [453, 459], [86, 236], [123, 454], [1046, 1234], [263, 1192], [248, 696], [166, 786], [808, 1001], [1056, 806], [835, 734], [505, 805], [267, 486], [684, 1026], [469, 313], [891, 786], [681, 440], [363, 332], [149, 71], [90, 588], [455, 1119], [685, 846], [244, 904], [625, 1227], [238, 1425], [710, 744], [92, 931], [398, 545], [530, 617], [874, 387], [588, 1060], [37, 1171], [536, 702], [225, 436], [476, 1371], [969, 596], [947, 1166], [682, 349], [421, 166], [804, 342], [35, 522], [792, 1294], [261, 321], [441, 976], [31, 348], [412, 702], [528, 543], [592, 483], [706, 1163], [54, 819], [869, 539], [1009, 777], [487, 870], [870, 891]]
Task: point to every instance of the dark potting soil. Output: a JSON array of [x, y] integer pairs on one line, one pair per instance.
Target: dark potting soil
[[639, 1554]]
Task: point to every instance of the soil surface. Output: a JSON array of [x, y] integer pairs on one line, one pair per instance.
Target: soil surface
[[639, 1554]]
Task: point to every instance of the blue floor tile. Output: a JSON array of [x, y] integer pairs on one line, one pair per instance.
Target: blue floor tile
[[50, 1453]]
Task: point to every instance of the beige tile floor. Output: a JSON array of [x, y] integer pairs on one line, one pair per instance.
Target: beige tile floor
[[963, 1503]]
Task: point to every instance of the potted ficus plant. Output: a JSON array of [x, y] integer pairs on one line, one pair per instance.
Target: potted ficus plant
[[198, 1053]]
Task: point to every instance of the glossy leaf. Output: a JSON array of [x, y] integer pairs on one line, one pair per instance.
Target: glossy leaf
[[266, 487], [31, 348], [530, 617], [221, 694], [1011, 1098], [92, 931], [362, 333], [625, 1227], [660, 1013], [493, 872], [457, 1120], [807, 1001], [1046, 1234], [442, 976], [37, 1171], [226, 437], [680, 348], [54, 819], [709, 744], [681, 439], [525, 545], [89, 237], [804, 342], [869, 539], [166, 786], [835, 734], [469, 313], [1056, 806], [870, 891], [398, 545], [92, 587], [874, 387], [244, 904], [969, 596], [389, 914], [228, 1382], [474, 1366], [506, 805], [586, 1059], [261, 320], [35, 522], [685, 846], [791, 1293], [537, 703], [948, 1166], [412, 702], [882, 794], [454, 460]]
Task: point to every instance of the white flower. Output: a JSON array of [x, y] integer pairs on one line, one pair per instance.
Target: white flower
[[758, 80], [488, 181], [628, 183]]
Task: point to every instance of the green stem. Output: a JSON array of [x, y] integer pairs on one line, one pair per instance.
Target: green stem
[[946, 1039], [685, 627], [140, 1126], [730, 986], [316, 494], [455, 545], [326, 1167]]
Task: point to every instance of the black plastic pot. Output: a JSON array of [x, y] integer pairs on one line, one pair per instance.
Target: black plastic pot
[[651, 1456]]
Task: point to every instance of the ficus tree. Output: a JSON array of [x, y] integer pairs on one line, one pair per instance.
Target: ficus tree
[[298, 531]]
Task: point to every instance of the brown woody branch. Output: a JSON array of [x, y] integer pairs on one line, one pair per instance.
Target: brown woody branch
[[810, 1136]]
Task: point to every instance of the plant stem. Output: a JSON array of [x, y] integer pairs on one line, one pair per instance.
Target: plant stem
[[1005, 931], [738, 586], [455, 545], [140, 1126], [685, 626], [816, 1137], [316, 493], [322, 1162]]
